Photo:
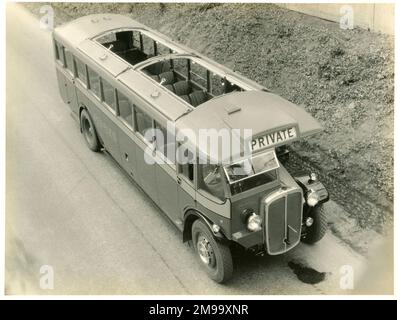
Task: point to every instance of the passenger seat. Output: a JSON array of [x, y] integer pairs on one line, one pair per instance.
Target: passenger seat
[[198, 97], [159, 67], [182, 88]]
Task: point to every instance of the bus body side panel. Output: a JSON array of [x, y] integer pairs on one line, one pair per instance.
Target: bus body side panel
[[72, 94], [105, 120], [212, 211], [167, 191], [127, 147], [161, 180], [62, 84], [186, 197], [66, 84], [146, 172]]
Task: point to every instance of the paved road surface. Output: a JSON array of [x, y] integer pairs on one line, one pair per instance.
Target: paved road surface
[[76, 211]]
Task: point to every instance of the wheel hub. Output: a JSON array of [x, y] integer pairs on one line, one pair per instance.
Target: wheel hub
[[89, 131], [205, 251]]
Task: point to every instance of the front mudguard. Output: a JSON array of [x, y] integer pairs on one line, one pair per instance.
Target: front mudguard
[[190, 217], [308, 185]]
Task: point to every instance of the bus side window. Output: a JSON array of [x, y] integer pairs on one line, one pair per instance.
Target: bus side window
[[186, 163], [81, 71], [143, 123], [59, 52], [69, 61], [108, 95], [93, 81], [125, 108]]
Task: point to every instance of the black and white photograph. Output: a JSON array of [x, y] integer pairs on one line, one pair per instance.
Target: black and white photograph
[[199, 149]]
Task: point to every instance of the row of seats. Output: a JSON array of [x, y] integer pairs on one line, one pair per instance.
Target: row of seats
[[161, 72], [156, 69], [184, 90]]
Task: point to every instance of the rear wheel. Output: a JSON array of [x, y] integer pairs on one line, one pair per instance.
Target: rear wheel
[[89, 132], [317, 230], [214, 256]]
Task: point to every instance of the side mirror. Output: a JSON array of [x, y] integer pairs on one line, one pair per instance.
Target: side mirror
[[282, 154]]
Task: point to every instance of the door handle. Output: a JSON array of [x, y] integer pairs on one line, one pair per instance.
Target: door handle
[[178, 180]]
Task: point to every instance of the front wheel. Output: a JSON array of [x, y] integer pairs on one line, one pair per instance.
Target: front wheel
[[317, 230], [214, 256], [89, 132]]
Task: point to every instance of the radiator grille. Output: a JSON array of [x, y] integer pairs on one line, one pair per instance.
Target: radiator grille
[[283, 218]]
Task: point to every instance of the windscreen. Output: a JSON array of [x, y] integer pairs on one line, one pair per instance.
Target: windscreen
[[252, 172]]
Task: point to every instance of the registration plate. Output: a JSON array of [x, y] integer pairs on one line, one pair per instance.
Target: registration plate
[[273, 138]]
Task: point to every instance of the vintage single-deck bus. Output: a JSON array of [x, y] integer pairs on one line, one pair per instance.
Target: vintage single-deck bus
[[123, 80]]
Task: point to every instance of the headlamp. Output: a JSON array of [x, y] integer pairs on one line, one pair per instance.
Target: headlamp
[[254, 222], [312, 198]]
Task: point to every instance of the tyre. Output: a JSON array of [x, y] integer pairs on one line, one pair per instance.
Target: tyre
[[89, 132], [317, 230], [214, 256]]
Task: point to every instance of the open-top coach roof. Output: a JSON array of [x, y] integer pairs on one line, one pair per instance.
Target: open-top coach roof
[[220, 70], [77, 33], [273, 120]]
